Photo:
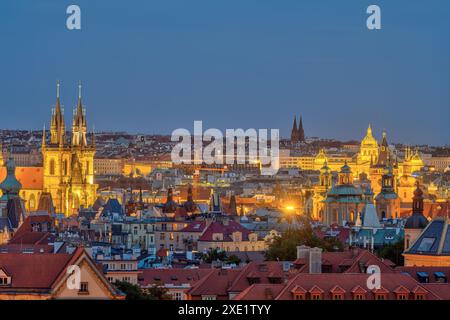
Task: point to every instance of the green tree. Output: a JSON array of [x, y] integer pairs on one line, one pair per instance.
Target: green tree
[[284, 247], [233, 259], [393, 252], [214, 255], [134, 292]]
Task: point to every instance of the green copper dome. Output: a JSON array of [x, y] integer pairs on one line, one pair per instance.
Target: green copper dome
[[10, 186]]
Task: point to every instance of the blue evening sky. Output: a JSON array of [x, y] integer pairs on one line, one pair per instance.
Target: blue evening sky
[[156, 65]]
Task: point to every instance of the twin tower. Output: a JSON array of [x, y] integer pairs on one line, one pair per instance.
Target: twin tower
[[69, 165]]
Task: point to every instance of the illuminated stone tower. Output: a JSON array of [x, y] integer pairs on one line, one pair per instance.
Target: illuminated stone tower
[[69, 167], [320, 191]]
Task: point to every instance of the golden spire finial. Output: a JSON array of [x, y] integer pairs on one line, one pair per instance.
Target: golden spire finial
[[57, 89], [79, 89]]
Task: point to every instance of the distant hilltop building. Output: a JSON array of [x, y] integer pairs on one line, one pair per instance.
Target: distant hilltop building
[[297, 133]]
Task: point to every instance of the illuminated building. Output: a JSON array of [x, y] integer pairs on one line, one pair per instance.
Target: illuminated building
[[343, 201], [368, 153], [69, 167], [417, 221], [387, 201], [426, 244], [320, 191], [297, 133]]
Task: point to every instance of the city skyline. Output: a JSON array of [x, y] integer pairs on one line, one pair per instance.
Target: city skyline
[[174, 63]]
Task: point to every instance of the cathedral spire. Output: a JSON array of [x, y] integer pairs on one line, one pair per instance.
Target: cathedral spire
[[43, 138], [57, 128], [294, 131], [369, 131], [79, 123], [301, 132]]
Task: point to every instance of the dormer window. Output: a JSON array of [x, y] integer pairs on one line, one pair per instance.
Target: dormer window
[[5, 278], [5, 281], [402, 296], [299, 296]]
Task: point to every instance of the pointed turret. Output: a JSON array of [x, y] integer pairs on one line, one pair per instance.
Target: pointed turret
[[301, 132], [79, 123], [58, 127], [294, 131], [417, 220], [190, 206], [383, 154], [43, 143]]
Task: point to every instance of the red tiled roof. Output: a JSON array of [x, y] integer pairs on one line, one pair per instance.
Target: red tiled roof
[[37, 271], [196, 226], [226, 230], [216, 283], [442, 290], [26, 235], [263, 271], [412, 271], [260, 292], [351, 283], [348, 261]]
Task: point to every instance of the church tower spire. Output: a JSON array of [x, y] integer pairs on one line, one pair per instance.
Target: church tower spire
[[57, 127], [79, 123], [294, 131], [301, 132]]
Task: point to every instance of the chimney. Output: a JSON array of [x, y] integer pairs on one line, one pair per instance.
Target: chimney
[[303, 252], [315, 260]]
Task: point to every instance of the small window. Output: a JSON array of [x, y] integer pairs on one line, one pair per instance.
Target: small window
[[84, 288], [299, 296], [402, 296]]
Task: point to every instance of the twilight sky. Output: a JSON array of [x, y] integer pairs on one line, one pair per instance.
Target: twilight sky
[[156, 65]]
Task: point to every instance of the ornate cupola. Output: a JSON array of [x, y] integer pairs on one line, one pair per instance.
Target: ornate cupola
[[387, 181], [345, 175], [10, 185], [170, 206], [417, 220], [325, 176], [190, 206]]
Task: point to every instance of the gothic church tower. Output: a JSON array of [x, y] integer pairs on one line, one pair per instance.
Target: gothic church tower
[[69, 167]]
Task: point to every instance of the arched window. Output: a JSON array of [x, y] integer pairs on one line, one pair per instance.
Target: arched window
[[52, 167], [87, 167], [32, 202], [65, 167], [336, 216]]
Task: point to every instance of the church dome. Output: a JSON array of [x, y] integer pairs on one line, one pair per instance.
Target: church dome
[[369, 140], [416, 221], [10, 185]]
